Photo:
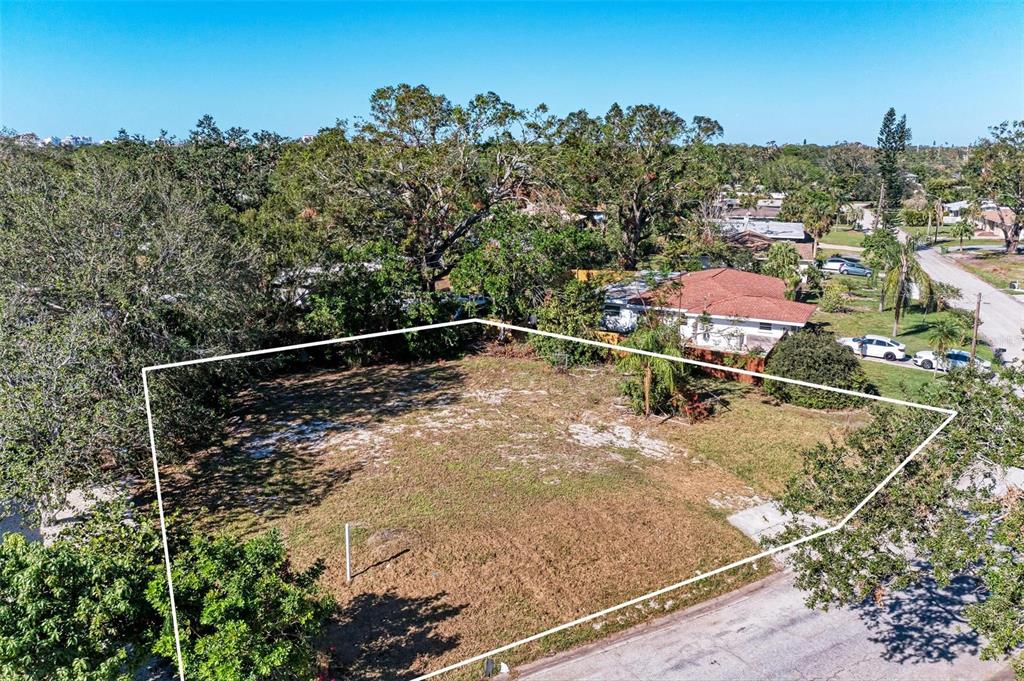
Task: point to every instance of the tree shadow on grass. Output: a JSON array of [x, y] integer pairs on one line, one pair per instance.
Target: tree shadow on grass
[[924, 623], [279, 457], [382, 635]]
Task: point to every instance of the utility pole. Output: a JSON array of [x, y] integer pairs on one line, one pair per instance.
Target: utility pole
[[974, 337]]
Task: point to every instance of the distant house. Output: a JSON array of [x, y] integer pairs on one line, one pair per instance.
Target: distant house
[[987, 222], [993, 220], [952, 212], [760, 212], [766, 208], [772, 229], [758, 245], [623, 300], [75, 141], [720, 309]]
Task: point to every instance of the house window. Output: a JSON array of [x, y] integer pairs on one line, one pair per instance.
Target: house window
[[764, 326]]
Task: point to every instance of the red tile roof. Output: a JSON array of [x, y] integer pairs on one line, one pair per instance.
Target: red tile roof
[[1002, 216], [725, 292]]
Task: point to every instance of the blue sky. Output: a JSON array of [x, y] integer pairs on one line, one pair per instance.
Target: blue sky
[[822, 71]]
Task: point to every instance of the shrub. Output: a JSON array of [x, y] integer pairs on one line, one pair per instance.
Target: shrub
[[816, 357], [93, 605], [243, 611], [77, 609], [833, 297], [574, 310], [375, 290]]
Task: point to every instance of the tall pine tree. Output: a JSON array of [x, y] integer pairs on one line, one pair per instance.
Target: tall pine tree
[[893, 138]]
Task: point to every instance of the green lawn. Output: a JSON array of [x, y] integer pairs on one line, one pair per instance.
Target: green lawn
[[945, 240], [944, 243], [913, 330], [901, 382], [842, 235], [864, 318]]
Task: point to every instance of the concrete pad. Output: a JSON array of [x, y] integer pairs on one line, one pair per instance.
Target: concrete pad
[[767, 520]]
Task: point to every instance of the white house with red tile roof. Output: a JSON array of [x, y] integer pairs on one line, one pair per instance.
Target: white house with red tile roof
[[720, 309]]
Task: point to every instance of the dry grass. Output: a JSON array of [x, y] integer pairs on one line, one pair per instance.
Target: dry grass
[[491, 498], [998, 269]]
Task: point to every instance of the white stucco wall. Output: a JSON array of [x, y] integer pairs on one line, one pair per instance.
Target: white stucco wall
[[724, 333]]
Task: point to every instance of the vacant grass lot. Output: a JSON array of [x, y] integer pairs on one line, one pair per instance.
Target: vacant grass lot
[[998, 269], [491, 498]]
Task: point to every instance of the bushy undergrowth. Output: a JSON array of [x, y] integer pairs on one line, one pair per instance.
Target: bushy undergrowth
[[815, 356]]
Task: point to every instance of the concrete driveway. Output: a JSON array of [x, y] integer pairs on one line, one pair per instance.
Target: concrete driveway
[[764, 631]]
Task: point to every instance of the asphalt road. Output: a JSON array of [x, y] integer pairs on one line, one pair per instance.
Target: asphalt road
[[1002, 317], [764, 631]]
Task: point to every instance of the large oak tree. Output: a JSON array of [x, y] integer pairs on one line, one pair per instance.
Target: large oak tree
[[995, 170], [629, 168]]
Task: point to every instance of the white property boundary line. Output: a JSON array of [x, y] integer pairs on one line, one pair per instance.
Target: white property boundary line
[[950, 415]]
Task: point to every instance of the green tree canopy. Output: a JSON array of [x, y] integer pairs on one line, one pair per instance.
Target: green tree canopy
[[631, 166], [519, 257], [943, 516], [105, 268], [94, 604], [995, 171], [893, 138], [423, 172], [574, 310]]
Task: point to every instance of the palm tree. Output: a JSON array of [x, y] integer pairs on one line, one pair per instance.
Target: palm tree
[[962, 230], [882, 253], [946, 332], [653, 383], [783, 262], [819, 216], [905, 274]]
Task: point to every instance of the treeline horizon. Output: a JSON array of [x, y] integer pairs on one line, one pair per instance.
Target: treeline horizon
[[129, 254]]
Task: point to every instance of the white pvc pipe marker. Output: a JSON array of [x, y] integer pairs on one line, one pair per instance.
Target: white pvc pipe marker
[[348, 557]]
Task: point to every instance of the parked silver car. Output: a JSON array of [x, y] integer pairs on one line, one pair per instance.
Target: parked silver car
[[954, 359], [836, 263]]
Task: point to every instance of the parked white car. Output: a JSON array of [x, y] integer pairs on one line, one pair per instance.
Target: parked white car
[[954, 359], [882, 347]]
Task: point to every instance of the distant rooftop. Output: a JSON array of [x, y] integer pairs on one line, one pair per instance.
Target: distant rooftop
[[773, 229], [635, 285]]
